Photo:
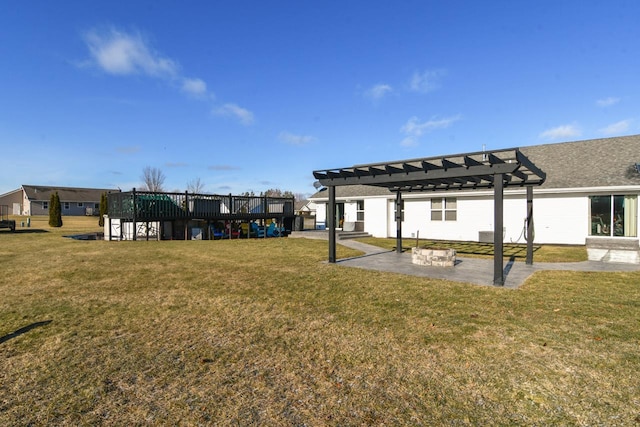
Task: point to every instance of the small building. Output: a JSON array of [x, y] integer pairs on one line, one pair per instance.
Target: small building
[[31, 200], [590, 195]]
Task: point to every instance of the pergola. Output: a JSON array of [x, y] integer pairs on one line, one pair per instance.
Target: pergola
[[487, 169]]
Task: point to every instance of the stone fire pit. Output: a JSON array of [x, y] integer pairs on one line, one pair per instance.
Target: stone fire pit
[[433, 257]]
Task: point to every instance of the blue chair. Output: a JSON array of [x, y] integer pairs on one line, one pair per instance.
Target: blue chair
[[255, 230]]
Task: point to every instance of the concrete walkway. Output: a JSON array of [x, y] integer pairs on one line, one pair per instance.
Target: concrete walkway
[[469, 270]]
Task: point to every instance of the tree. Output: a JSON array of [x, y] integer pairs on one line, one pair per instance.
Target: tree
[[153, 179], [276, 192], [195, 186], [103, 209], [300, 197], [55, 211]]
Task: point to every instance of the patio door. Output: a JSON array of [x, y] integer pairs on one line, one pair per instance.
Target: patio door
[[339, 215]]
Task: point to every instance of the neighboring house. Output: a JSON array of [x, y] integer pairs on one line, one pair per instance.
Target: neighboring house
[[34, 200], [591, 191]]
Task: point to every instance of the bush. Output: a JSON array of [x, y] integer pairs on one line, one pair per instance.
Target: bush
[[55, 211]]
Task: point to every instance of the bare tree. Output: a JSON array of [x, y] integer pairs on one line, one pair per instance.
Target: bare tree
[[300, 197], [276, 192], [195, 186], [153, 179]]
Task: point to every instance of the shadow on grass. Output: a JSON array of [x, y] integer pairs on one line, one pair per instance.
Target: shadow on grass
[[23, 330], [513, 251], [29, 231]]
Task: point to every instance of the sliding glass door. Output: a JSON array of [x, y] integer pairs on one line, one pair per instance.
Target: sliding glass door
[[615, 215]]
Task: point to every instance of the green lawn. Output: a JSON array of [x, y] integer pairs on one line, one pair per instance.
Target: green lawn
[[265, 332]]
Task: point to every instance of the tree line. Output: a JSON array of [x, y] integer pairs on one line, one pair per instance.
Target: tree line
[[153, 180]]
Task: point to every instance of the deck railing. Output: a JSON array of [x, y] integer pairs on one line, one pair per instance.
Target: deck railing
[[153, 206]]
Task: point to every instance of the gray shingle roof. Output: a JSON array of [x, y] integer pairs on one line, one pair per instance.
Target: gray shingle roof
[[579, 164], [591, 163], [66, 194]]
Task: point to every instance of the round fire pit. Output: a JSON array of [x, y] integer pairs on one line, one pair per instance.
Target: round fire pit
[[433, 257]]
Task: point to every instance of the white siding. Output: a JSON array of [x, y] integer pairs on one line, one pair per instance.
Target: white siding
[[558, 218], [321, 214], [350, 211], [563, 220], [375, 217]]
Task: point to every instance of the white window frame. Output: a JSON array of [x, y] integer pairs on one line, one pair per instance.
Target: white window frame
[[628, 223], [444, 209]]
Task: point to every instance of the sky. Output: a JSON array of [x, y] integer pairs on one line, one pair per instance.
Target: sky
[[254, 95]]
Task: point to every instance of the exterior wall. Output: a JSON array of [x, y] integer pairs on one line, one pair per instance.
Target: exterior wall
[[124, 229], [558, 218], [10, 200], [321, 214], [561, 219], [73, 210], [35, 208], [376, 216], [350, 211]]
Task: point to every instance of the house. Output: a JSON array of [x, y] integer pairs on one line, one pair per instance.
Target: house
[[590, 192], [34, 200]]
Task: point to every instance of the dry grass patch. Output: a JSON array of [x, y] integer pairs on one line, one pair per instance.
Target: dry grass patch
[[265, 332]]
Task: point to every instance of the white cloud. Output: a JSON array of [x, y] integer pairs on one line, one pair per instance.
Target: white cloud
[[121, 53], [293, 139], [409, 141], [232, 110], [607, 102], [617, 128], [413, 126], [117, 52], [223, 168], [427, 81], [414, 129], [378, 91], [195, 87], [561, 132]]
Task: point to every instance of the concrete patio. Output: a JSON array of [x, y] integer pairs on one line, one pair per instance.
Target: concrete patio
[[467, 270]]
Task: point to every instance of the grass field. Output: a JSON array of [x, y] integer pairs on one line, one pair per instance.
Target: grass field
[[264, 332]]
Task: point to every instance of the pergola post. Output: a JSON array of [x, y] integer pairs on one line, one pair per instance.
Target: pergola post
[[529, 225], [399, 222], [498, 221], [331, 222]]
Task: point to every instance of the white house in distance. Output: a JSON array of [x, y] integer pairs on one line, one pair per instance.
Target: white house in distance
[[591, 192]]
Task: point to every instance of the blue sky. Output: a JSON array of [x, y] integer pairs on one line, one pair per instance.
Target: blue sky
[[252, 95]]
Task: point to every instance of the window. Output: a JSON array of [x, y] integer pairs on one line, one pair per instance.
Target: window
[[80, 204], [444, 208], [45, 205], [66, 205], [615, 215], [360, 211], [96, 205]]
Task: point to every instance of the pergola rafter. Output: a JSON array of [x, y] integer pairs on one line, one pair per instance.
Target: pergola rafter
[[487, 169]]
